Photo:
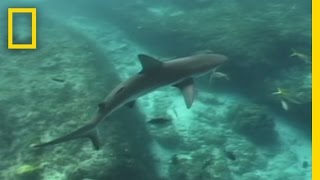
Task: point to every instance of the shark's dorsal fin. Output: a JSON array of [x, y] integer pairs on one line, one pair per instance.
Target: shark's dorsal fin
[[188, 90], [148, 63]]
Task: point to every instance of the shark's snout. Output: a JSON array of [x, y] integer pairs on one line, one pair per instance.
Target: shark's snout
[[219, 58]]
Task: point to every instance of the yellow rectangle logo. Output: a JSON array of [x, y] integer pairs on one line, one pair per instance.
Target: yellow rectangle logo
[[33, 44]]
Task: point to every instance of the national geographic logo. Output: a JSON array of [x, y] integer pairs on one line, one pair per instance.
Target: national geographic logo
[[33, 44]]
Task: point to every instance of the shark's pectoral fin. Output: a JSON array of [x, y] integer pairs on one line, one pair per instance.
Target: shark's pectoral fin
[[131, 104], [94, 137], [149, 63], [188, 91]]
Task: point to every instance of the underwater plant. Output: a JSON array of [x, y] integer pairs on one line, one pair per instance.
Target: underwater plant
[[28, 171]]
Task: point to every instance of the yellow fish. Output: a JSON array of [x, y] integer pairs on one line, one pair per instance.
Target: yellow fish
[[286, 98], [305, 58]]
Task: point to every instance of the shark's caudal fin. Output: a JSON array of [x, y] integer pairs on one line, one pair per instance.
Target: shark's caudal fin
[[87, 131]]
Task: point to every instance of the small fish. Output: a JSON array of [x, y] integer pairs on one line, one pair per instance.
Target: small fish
[[58, 80], [159, 121], [278, 92], [305, 164], [178, 158], [284, 105], [305, 58], [218, 75], [293, 99], [286, 98], [230, 155]]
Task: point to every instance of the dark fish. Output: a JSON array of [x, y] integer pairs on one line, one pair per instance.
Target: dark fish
[[305, 164], [57, 80], [175, 159], [159, 121], [207, 163], [230, 155]]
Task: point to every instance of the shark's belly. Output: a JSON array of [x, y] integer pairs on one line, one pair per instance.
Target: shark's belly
[[153, 87], [139, 86]]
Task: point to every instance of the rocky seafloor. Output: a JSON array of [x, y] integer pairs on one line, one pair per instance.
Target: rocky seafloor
[[235, 130]]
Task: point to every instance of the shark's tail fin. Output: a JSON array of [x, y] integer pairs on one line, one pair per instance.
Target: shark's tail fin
[[88, 131]]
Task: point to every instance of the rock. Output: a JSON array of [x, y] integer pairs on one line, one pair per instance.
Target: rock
[[253, 121]]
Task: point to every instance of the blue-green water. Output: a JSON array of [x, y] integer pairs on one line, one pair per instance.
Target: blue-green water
[[251, 121]]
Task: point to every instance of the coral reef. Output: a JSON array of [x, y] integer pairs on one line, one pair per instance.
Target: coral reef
[[27, 171], [252, 121], [50, 91], [208, 166]]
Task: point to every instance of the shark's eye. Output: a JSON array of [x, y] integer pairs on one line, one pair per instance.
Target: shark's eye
[[101, 105]]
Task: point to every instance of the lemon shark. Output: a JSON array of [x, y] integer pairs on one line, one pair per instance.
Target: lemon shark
[[154, 74]]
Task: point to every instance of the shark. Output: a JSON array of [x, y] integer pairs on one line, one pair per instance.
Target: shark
[[179, 72]]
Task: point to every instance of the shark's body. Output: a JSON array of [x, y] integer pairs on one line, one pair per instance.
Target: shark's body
[[154, 74]]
